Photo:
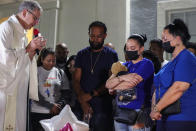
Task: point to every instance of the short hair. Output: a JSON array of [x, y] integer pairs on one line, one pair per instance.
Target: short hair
[[155, 60], [191, 45], [97, 24], [179, 28], [45, 52], [158, 42], [141, 39], [61, 45], [73, 57], [30, 5]]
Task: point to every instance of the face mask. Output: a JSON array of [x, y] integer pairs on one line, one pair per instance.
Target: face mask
[[96, 46], [132, 55], [167, 47]]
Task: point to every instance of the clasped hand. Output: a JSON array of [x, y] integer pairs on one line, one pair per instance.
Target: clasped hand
[[36, 43], [55, 109], [127, 81], [155, 115], [85, 97]]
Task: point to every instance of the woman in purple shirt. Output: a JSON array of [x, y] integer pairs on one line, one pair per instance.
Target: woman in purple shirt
[[176, 81], [140, 77]]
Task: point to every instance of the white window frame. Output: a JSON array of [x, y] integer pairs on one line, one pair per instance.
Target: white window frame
[[184, 16], [169, 13], [164, 10], [168, 6]]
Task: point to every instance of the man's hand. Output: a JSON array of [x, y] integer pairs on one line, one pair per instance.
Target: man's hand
[[55, 109], [85, 97], [36, 43], [86, 108]]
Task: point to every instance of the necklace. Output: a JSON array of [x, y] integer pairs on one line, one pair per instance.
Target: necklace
[[93, 66]]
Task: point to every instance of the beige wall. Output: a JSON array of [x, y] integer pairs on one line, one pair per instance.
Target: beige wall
[[74, 17]]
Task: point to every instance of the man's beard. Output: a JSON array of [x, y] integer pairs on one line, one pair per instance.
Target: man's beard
[[61, 60], [96, 46]]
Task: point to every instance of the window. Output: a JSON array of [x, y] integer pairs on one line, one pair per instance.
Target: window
[[168, 10], [189, 17]]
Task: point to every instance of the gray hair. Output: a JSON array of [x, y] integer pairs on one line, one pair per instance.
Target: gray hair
[[30, 5]]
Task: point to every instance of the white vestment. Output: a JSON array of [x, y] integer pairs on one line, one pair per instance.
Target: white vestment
[[17, 71]]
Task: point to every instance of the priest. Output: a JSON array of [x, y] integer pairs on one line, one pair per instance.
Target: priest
[[18, 66]]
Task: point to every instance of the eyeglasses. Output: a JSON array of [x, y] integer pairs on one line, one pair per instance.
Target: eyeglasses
[[34, 16]]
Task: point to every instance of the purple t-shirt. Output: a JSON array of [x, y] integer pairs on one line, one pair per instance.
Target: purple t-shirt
[[145, 69], [182, 68]]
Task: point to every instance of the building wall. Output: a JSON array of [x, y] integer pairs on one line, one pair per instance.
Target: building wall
[[122, 17], [165, 6], [74, 18], [143, 18], [76, 15]]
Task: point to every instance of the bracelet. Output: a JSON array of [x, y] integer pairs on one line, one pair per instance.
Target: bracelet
[[155, 109]]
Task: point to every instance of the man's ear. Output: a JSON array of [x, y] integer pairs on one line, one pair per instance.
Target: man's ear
[[105, 35], [24, 12]]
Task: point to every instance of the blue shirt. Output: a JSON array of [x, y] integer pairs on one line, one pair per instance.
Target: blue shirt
[[182, 68], [102, 62], [145, 69]]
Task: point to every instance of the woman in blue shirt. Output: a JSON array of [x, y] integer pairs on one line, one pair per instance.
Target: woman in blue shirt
[[140, 77], [176, 81]]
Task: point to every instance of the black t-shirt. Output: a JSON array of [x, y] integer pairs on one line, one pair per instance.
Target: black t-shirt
[[101, 63], [104, 60]]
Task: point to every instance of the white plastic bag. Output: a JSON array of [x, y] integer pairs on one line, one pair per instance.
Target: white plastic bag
[[66, 116]]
